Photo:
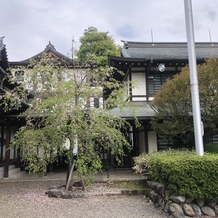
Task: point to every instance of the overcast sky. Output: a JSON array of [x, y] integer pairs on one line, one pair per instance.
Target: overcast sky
[[28, 25]]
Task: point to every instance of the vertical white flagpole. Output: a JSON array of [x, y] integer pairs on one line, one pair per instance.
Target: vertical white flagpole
[[193, 79]]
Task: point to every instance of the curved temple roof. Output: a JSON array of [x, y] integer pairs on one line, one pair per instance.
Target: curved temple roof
[[49, 49], [143, 110], [167, 50], [3, 55]]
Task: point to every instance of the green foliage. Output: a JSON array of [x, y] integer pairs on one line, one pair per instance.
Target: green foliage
[[61, 110], [142, 163], [211, 148], [187, 174], [96, 45], [182, 172], [173, 103], [13, 98]]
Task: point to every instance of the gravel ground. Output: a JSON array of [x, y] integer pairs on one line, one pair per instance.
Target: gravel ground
[[27, 199]]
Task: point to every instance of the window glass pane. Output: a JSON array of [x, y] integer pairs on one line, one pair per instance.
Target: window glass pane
[[156, 80], [96, 102], [19, 75]]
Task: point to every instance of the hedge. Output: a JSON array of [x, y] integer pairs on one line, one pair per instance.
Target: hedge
[[189, 175], [211, 148], [142, 162]]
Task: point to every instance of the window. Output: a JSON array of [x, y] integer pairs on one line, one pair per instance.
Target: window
[[19, 75], [156, 80], [96, 102], [213, 140], [164, 144]]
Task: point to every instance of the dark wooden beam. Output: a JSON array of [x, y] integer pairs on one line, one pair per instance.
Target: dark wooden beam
[[7, 150], [2, 142]]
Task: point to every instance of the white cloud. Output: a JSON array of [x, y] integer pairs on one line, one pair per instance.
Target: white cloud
[[28, 26]]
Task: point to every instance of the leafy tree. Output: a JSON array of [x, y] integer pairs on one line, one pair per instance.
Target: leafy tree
[[98, 45], [174, 107], [61, 110]]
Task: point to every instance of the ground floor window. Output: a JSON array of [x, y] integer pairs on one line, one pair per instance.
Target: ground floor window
[[213, 140], [2, 142], [165, 144]]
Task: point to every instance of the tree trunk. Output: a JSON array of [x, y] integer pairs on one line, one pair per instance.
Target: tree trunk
[[82, 182], [69, 176], [68, 172]]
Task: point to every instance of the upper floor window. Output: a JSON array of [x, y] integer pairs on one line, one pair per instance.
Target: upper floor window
[[19, 75], [156, 80], [96, 103]]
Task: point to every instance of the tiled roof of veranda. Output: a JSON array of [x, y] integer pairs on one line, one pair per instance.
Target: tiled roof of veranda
[[142, 110], [167, 50]]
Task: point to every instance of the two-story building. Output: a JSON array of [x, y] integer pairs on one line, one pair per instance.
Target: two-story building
[[149, 65]]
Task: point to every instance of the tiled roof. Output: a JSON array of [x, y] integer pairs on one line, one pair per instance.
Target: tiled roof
[[2, 46], [143, 110], [48, 49], [171, 51], [3, 55]]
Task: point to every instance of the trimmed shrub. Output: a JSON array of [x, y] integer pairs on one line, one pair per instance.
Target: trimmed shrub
[[182, 172], [142, 162], [188, 175], [211, 148]]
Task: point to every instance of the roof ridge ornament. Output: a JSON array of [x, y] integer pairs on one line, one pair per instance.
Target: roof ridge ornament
[[126, 44], [1, 39], [50, 46]]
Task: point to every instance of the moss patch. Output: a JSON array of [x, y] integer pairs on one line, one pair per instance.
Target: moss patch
[[130, 185]]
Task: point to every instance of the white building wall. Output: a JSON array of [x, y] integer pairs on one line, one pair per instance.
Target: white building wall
[[152, 141], [140, 88], [68, 74], [25, 78]]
